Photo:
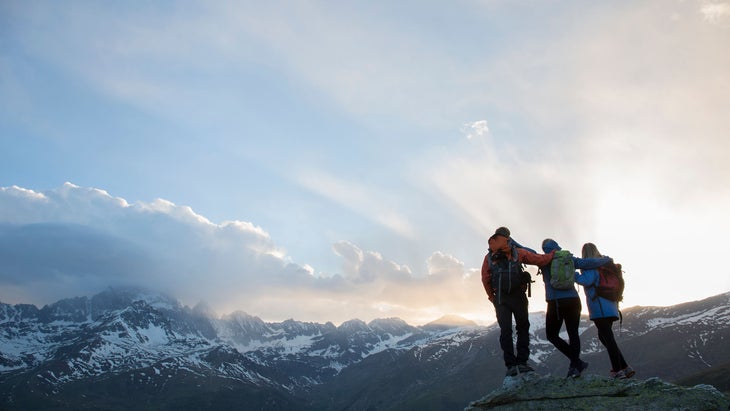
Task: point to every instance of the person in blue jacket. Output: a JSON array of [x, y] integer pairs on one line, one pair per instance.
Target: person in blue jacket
[[603, 313], [563, 306]]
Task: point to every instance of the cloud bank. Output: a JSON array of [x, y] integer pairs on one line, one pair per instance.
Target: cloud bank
[[75, 241]]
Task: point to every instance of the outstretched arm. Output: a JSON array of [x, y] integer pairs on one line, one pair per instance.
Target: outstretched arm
[[539, 260], [590, 263], [518, 245], [587, 278]]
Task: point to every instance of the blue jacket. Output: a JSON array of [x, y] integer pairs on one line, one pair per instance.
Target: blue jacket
[[598, 307], [580, 263]]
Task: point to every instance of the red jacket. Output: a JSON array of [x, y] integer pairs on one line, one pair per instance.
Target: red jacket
[[523, 256]]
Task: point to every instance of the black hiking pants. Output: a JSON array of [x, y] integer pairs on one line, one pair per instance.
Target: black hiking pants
[[605, 335], [564, 310], [507, 306]]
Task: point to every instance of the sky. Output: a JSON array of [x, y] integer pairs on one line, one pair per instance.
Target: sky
[[325, 161]]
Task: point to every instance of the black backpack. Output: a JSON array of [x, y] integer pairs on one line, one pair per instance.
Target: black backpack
[[508, 275]]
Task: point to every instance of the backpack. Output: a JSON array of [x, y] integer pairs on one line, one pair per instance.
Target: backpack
[[562, 270], [610, 282], [508, 276]]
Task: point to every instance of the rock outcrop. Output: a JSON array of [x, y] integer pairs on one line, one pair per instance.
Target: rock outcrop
[[590, 392]]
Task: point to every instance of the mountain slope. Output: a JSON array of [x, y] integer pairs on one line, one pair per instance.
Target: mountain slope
[[127, 348], [717, 376]]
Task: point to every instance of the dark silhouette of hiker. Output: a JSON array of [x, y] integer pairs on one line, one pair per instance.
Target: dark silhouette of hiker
[[506, 282], [563, 306], [603, 312]]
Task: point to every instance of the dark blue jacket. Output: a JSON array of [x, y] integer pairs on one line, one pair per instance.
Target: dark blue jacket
[[580, 263]]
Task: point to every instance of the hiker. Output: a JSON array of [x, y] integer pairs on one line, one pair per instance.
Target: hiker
[[563, 305], [603, 312], [506, 283]]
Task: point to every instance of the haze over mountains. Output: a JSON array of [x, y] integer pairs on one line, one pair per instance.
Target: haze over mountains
[[133, 348]]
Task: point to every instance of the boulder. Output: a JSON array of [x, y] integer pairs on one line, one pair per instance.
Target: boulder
[[591, 392]]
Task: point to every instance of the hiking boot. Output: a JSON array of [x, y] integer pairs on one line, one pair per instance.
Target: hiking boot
[[575, 372], [626, 373], [512, 371], [523, 368]]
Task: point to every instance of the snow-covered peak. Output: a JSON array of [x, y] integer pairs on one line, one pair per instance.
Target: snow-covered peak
[[352, 326], [451, 321], [203, 309], [242, 317], [115, 298], [393, 326], [291, 328], [241, 328]]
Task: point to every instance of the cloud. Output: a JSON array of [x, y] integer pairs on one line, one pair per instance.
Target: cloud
[[84, 238], [475, 129], [444, 264], [76, 241], [716, 13], [368, 266]]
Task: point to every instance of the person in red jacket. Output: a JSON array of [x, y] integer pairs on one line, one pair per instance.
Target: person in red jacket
[[506, 282]]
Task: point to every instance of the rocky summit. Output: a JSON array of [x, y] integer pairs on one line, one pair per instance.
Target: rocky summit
[[534, 392]]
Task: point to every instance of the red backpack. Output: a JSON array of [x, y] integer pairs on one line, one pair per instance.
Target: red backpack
[[611, 282]]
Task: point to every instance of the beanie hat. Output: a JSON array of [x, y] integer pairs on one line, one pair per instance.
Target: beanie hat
[[549, 245], [503, 231]]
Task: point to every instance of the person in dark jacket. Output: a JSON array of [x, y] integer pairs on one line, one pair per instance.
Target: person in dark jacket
[[563, 306], [506, 282], [603, 313]]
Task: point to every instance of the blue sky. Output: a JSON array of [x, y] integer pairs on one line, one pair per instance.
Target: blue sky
[[326, 161]]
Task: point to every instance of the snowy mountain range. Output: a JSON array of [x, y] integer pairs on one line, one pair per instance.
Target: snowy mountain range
[[130, 348]]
